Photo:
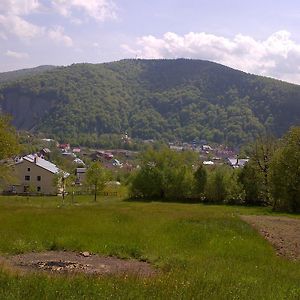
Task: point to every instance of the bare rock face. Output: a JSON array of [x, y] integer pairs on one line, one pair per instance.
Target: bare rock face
[[27, 111]]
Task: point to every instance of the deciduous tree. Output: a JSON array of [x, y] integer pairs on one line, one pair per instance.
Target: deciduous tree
[[200, 177], [285, 173], [164, 174], [9, 146], [261, 155], [96, 177]]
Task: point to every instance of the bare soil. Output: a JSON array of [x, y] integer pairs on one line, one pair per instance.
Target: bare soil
[[282, 232], [63, 262]]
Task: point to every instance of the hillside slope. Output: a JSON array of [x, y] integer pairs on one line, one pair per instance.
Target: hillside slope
[[19, 74], [171, 99]]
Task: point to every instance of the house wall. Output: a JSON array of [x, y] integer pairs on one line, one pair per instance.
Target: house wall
[[46, 183], [80, 177]]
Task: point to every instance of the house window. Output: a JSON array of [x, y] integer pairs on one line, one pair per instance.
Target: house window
[[27, 177], [28, 169], [38, 178], [26, 189], [38, 188]]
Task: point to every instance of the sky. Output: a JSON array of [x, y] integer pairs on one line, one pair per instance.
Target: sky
[[257, 36]]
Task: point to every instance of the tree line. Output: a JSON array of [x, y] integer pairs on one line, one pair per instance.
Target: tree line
[[270, 178]]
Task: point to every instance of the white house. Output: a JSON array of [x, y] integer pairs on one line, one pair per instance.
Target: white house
[[36, 175], [237, 162]]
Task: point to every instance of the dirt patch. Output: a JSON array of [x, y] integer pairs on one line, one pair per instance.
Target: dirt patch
[[63, 262], [282, 232]]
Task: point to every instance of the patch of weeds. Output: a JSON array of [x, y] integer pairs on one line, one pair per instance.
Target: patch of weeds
[[174, 263], [124, 251], [54, 246], [21, 246]]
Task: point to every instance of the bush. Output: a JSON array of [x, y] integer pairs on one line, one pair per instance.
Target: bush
[[215, 191], [164, 174], [252, 183], [285, 173]]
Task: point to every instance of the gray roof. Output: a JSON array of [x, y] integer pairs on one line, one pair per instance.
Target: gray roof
[[46, 150], [43, 163], [80, 170], [237, 162]]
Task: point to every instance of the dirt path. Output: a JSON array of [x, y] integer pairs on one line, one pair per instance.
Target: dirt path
[[282, 232], [63, 262]]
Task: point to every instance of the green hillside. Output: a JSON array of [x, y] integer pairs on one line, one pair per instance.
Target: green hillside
[[19, 74], [170, 99]]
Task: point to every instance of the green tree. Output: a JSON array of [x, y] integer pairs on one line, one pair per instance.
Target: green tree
[[261, 155], [215, 190], [200, 177], [285, 173], [251, 179], [164, 174], [70, 186], [59, 183], [96, 177], [9, 146], [235, 193]]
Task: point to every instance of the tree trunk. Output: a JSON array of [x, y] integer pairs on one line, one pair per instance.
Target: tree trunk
[[95, 195]]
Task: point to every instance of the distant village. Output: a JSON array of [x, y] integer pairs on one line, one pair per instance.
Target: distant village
[[36, 173]]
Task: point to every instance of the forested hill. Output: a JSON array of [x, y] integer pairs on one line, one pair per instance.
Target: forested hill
[[19, 74], [172, 99]]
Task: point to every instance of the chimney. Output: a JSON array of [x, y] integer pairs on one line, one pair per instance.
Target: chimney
[[35, 159]]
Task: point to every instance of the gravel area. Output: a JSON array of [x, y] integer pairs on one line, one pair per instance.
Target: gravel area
[[64, 262]]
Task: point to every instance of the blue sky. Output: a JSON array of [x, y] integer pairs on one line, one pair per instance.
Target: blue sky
[[260, 37]]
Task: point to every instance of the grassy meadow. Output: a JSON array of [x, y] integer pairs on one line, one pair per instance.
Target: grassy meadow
[[203, 251]]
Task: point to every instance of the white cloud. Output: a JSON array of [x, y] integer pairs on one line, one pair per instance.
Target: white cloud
[[12, 21], [58, 36], [100, 10], [19, 27], [277, 56], [18, 7], [17, 55]]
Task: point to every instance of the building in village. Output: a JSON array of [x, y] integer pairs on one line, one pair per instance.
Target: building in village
[[80, 174], [237, 162], [35, 175]]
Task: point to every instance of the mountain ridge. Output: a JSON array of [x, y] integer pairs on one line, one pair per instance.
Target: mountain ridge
[[22, 73], [163, 99]]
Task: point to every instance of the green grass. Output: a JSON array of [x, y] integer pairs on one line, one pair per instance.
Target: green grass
[[204, 252]]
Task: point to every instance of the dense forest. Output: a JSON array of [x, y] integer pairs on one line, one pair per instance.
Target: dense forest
[[151, 99], [19, 74]]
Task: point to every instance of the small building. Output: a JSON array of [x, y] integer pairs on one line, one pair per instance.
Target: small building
[[117, 163], [102, 156], [64, 147], [237, 162], [78, 161], [206, 148], [176, 148], [45, 152], [35, 175], [80, 175], [76, 150]]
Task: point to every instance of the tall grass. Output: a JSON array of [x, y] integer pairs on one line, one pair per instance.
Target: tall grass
[[202, 252]]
